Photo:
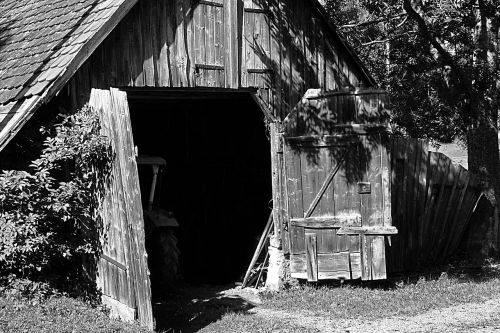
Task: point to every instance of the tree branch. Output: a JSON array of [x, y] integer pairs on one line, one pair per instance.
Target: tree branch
[[380, 41], [447, 59], [428, 34], [370, 22]]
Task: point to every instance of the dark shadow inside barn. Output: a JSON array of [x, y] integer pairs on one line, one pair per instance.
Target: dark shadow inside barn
[[216, 180]]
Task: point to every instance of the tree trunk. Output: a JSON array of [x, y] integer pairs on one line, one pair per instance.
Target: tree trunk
[[484, 161], [482, 136]]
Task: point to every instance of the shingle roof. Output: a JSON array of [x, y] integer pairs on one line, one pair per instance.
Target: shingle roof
[[42, 43]]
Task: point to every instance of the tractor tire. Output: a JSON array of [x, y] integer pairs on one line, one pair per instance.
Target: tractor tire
[[164, 261]]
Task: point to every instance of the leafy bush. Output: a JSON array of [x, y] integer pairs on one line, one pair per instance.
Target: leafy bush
[[49, 217]]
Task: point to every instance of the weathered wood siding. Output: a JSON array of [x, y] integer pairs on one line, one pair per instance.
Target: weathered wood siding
[[433, 199], [282, 47]]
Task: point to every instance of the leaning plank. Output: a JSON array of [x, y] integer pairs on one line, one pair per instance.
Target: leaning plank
[[258, 250]]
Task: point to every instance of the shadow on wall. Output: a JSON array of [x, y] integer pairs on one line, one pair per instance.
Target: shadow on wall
[[351, 127], [301, 40]]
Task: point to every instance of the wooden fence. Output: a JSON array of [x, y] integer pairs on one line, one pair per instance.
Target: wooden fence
[[432, 202]]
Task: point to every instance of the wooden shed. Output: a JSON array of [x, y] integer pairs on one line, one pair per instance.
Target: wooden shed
[[194, 82]]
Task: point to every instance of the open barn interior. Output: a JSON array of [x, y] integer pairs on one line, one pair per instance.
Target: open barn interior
[[216, 181]]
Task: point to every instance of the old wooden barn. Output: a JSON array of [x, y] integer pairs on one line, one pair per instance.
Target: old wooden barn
[[217, 90]]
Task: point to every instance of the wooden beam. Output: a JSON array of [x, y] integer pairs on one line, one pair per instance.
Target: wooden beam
[[327, 222], [199, 93], [376, 230]]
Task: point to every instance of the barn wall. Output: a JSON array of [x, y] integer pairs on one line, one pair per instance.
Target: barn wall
[[282, 47]]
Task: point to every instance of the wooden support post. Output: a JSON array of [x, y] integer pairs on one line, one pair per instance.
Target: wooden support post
[[276, 188]]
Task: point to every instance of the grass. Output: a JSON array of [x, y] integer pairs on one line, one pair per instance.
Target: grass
[[57, 314], [357, 302], [353, 302]]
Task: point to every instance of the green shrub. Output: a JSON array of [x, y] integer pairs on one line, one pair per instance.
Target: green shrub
[[49, 217]]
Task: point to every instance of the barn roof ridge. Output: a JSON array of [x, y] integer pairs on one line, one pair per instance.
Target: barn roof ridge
[[43, 43]]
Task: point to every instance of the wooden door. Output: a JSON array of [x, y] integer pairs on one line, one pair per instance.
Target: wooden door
[[123, 275], [338, 205]]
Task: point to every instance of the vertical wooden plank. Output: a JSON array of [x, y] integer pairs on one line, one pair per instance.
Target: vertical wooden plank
[[386, 182], [422, 193], [471, 195], [199, 45], [136, 49], [231, 43], [436, 221], [311, 257], [171, 26], [294, 196], [450, 200], [285, 75], [189, 31], [378, 258], [276, 169], [210, 46], [464, 182], [180, 45], [148, 36], [326, 243], [219, 45], [397, 204], [276, 44], [163, 60], [283, 195], [410, 220], [326, 205], [355, 265], [309, 165], [366, 258]]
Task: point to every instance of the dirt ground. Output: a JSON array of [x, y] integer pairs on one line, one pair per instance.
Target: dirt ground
[[194, 308]]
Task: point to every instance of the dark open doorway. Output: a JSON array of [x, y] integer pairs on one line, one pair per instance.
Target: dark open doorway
[[217, 179]]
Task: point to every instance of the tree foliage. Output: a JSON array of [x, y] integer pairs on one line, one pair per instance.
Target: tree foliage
[[438, 59], [49, 217], [440, 62]]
